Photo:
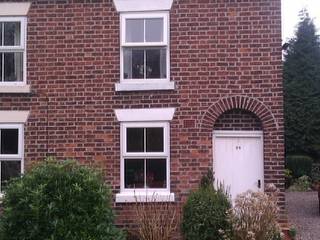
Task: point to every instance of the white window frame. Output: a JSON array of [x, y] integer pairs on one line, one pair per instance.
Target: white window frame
[[144, 118], [144, 194], [164, 43], [14, 157], [21, 48], [164, 154]]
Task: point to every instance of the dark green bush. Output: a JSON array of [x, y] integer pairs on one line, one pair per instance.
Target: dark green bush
[[315, 173], [58, 201], [205, 215], [288, 178], [299, 165]]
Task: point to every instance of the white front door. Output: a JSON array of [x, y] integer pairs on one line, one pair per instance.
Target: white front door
[[238, 160]]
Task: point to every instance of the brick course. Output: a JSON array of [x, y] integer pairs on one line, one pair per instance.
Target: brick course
[[225, 54], [238, 120]]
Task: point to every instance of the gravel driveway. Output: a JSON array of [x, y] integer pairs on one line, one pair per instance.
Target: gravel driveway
[[303, 211]]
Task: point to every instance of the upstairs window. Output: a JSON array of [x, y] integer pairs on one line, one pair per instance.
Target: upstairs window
[[144, 47], [12, 50], [11, 153]]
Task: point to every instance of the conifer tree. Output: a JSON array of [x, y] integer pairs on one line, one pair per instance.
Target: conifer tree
[[302, 90]]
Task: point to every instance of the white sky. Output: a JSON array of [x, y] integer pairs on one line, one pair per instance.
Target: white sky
[[290, 12]]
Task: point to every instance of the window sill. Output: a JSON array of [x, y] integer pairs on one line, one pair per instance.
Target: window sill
[[144, 86], [15, 89], [131, 197]]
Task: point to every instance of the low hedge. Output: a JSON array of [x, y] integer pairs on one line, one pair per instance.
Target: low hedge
[[299, 165]]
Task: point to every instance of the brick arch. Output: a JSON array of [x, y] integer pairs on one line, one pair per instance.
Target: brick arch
[[238, 102]]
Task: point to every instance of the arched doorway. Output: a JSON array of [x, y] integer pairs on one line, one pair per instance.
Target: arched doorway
[[238, 160]]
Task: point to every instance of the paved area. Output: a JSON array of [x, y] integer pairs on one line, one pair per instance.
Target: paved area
[[303, 211]]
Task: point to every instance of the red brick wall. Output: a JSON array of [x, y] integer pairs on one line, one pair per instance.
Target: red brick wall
[[238, 120], [224, 54]]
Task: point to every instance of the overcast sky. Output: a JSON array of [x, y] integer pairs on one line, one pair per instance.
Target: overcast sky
[[290, 11]]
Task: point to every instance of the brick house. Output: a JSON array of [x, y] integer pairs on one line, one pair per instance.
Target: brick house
[[153, 92]]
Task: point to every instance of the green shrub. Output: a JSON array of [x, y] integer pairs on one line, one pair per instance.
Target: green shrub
[[299, 165], [205, 215], [315, 173], [56, 201], [292, 232], [302, 184], [288, 178]]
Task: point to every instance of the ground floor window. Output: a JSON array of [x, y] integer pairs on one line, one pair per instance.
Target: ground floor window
[[11, 153], [145, 156]]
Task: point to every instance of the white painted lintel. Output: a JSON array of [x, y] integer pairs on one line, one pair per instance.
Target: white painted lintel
[[143, 115], [142, 5], [14, 116], [14, 8]]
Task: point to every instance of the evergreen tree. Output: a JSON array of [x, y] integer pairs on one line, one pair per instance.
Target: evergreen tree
[[302, 90]]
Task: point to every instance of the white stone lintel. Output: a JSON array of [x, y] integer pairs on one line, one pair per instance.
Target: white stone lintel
[[142, 5]]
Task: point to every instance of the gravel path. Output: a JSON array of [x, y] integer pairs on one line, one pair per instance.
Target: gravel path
[[303, 211]]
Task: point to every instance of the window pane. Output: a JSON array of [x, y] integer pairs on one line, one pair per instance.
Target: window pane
[[1, 24], [12, 35], [9, 141], [127, 63], [13, 67], [135, 139], [133, 63], [9, 170], [156, 173], [1, 73], [134, 173], [134, 30], [154, 30], [154, 139], [156, 63]]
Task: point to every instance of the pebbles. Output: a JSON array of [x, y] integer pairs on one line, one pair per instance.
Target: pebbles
[[303, 213]]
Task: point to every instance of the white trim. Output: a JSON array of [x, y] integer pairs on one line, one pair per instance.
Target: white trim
[[14, 157], [145, 194], [13, 116], [145, 197], [143, 16], [142, 5], [19, 155], [14, 9], [166, 136], [125, 155], [253, 134], [146, 86], [16, 49], [15, 88], [144, 115]]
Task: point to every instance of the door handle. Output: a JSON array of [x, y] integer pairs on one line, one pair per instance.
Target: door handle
[[259, 183]]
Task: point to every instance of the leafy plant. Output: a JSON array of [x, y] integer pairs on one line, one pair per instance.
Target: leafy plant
[[205, 213], [254, 217], [288, 178], [299, 165], [207, 180], [156, 220], [315, 173], [292, 232], [58, 200], [301, 184]]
